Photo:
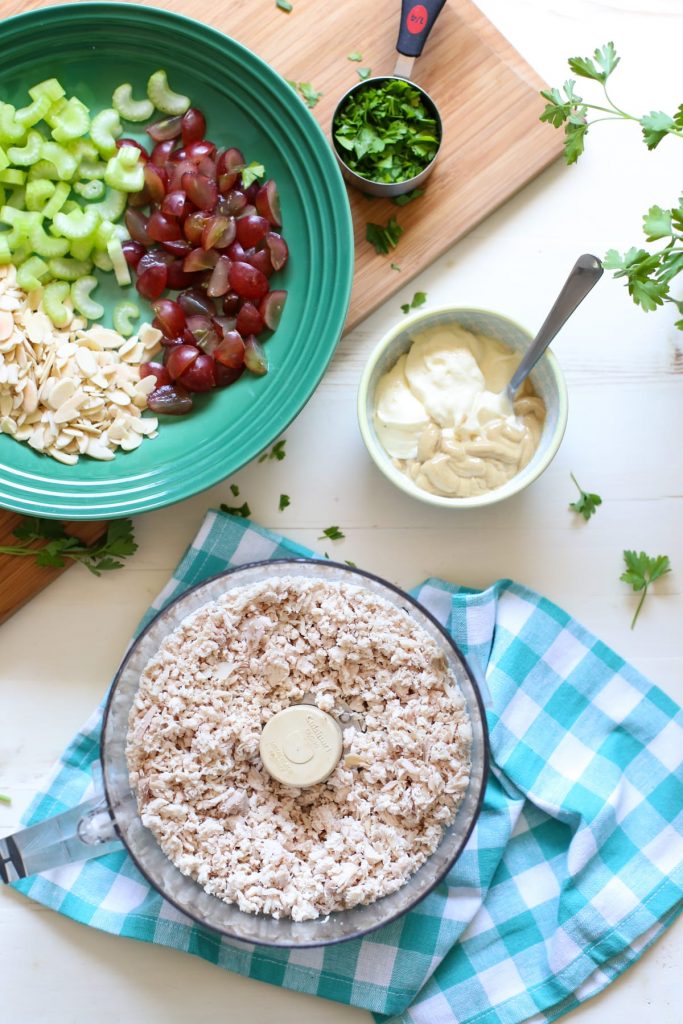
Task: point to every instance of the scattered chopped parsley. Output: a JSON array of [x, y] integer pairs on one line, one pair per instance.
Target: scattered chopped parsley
[[243, 511], [284, 502], [332, 533], [103, 555], [395, 266], [250, 172], [306, 91], [418, 299], [408, 197], [284, 5], [641, 571], [384, 237], [6, 800], [385, 131], [364, 73], [277, 452], [586, 504], [356, 55], [234, 490], [352, 564]]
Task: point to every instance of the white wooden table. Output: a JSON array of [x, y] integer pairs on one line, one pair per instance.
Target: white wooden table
[[625, 376]]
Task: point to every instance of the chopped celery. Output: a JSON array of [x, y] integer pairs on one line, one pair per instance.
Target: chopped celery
[[4, 159], [50, 88], [37, 194], [77, 224], [92, 170], [123, 175], [72, 122], [83, 149], [70, 205], [10, 176], [93, 189], [33, 113], [19, 254], [43, 169], [81, 248], [124, 312], [29, 153], [62, 159], [30, 273], [105, 231], [58, 200], [22, 220], [112, 206], [17, 198], [163, 97], [82, 300], [69, 269], [131, 110], [105, 128], [3, 196], [5, 251], [55, 110], [47, 246], [102, 261], [10, 129], [53, 303], [121, 269], [128, 156]]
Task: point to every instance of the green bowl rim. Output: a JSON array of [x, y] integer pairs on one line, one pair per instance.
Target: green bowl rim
[[380, 458]]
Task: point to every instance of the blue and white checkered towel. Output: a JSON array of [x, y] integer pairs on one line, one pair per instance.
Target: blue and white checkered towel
[[574, 868]]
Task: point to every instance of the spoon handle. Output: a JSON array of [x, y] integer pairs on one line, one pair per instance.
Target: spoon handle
[[585, 273], [417, 21]]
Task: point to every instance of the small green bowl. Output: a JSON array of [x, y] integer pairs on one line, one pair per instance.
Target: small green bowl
[[547, 378]]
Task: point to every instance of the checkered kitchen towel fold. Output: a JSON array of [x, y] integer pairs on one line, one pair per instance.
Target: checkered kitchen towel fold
[[574, 868]]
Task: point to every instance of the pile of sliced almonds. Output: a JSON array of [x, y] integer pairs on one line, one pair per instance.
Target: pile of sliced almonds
[[75, 391]]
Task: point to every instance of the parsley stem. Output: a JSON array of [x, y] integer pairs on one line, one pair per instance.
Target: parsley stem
[[640, 605], [578, 485]]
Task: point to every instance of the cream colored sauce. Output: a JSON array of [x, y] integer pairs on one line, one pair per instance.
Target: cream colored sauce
[[440, 415]]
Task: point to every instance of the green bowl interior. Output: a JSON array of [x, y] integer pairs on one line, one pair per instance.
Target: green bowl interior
[[94, 47], [546, 378]]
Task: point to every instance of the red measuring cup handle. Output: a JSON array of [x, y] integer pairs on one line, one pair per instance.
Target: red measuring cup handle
[[417, 19]]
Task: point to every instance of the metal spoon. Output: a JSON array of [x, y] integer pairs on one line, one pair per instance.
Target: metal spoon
[[585, 273]]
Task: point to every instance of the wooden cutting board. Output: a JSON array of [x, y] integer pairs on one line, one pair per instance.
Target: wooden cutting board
[[493, 141]]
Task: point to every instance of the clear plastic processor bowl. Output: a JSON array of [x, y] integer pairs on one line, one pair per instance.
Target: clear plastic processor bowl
[[187, 895]]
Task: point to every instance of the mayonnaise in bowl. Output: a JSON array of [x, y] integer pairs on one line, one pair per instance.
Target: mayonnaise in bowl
[[441, 415]]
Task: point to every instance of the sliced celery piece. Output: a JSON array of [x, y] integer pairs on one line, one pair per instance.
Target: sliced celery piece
[[131, 110], [70, 205], [58, 200], [4, 160], [11, 176], [66, 269], [81, 248], [83, 149], [163, 97], [53, 303], [77, 223], [93, 189], [123, 313], [22, 220], [72, 122], [55, 110], [63, 160], [5, 251], [102, 261], [30, 273], [37, 193], [17, 198], [47, 246], [33, 113], [105, 231], [105, 128], [3, 196], [112, 206], [121, 269], [123, 176], [20, 253], [29, 153], [92, 170], [50, 88], [43, 169], [82, 300], [10, 130]]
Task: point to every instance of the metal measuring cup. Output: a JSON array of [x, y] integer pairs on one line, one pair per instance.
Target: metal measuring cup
[[417, 21]]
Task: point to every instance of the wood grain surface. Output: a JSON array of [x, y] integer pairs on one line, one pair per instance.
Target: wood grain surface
[[493, 142]]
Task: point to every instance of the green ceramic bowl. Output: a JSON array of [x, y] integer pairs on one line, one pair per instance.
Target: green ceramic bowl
[[546, 377], [91, 48]]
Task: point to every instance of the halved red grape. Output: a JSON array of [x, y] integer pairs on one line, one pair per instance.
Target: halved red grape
[[199, 323], [197, 150], [202, 191], [133, 252], [255, 358], [232, 203], [177, 246], [231, 350], [271, 308], [162, 228], [154, 258], [156, 181], [177, 276], [249, 319], [144, 155], [230, 161], [247, 281], [162, 152], [200, 375], [268, 203], [170, 400], [171, 317], [279, 251], [192, 126], [236, 252], [251, 230], [174, 203], [226, 375], [167, 128], [207, 166], [194, 225], [176, 173], [260, 259], [200, 259], [156, 370], [218, 285], [225, 323], [141, 198], [194, 302], [152, 282], [179, 358], [231, 304], [218, 233], [136, 222]]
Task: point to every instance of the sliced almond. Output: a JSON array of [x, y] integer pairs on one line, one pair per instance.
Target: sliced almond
[[61, 391]]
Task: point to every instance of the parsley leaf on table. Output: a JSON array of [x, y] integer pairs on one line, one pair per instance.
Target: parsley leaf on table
[[587, 503], [408, 197], [243, 511], [234, 490], [277, 452], [364, 73], [6, 800], [332, 533], [309, 94], [102, 556], [284, 5], [356, 55], [641, 571], [418, 299], [284, 502], [384, 237]]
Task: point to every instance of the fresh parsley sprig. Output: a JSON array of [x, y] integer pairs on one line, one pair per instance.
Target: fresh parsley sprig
[[242, 511], [587, 503], [308, 94], [384, 236], [277, 452], [641, 571], [57, 546], [418, 299], [332, 533]]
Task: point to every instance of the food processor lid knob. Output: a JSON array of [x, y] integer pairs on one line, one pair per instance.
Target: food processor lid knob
[[301, 745]]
